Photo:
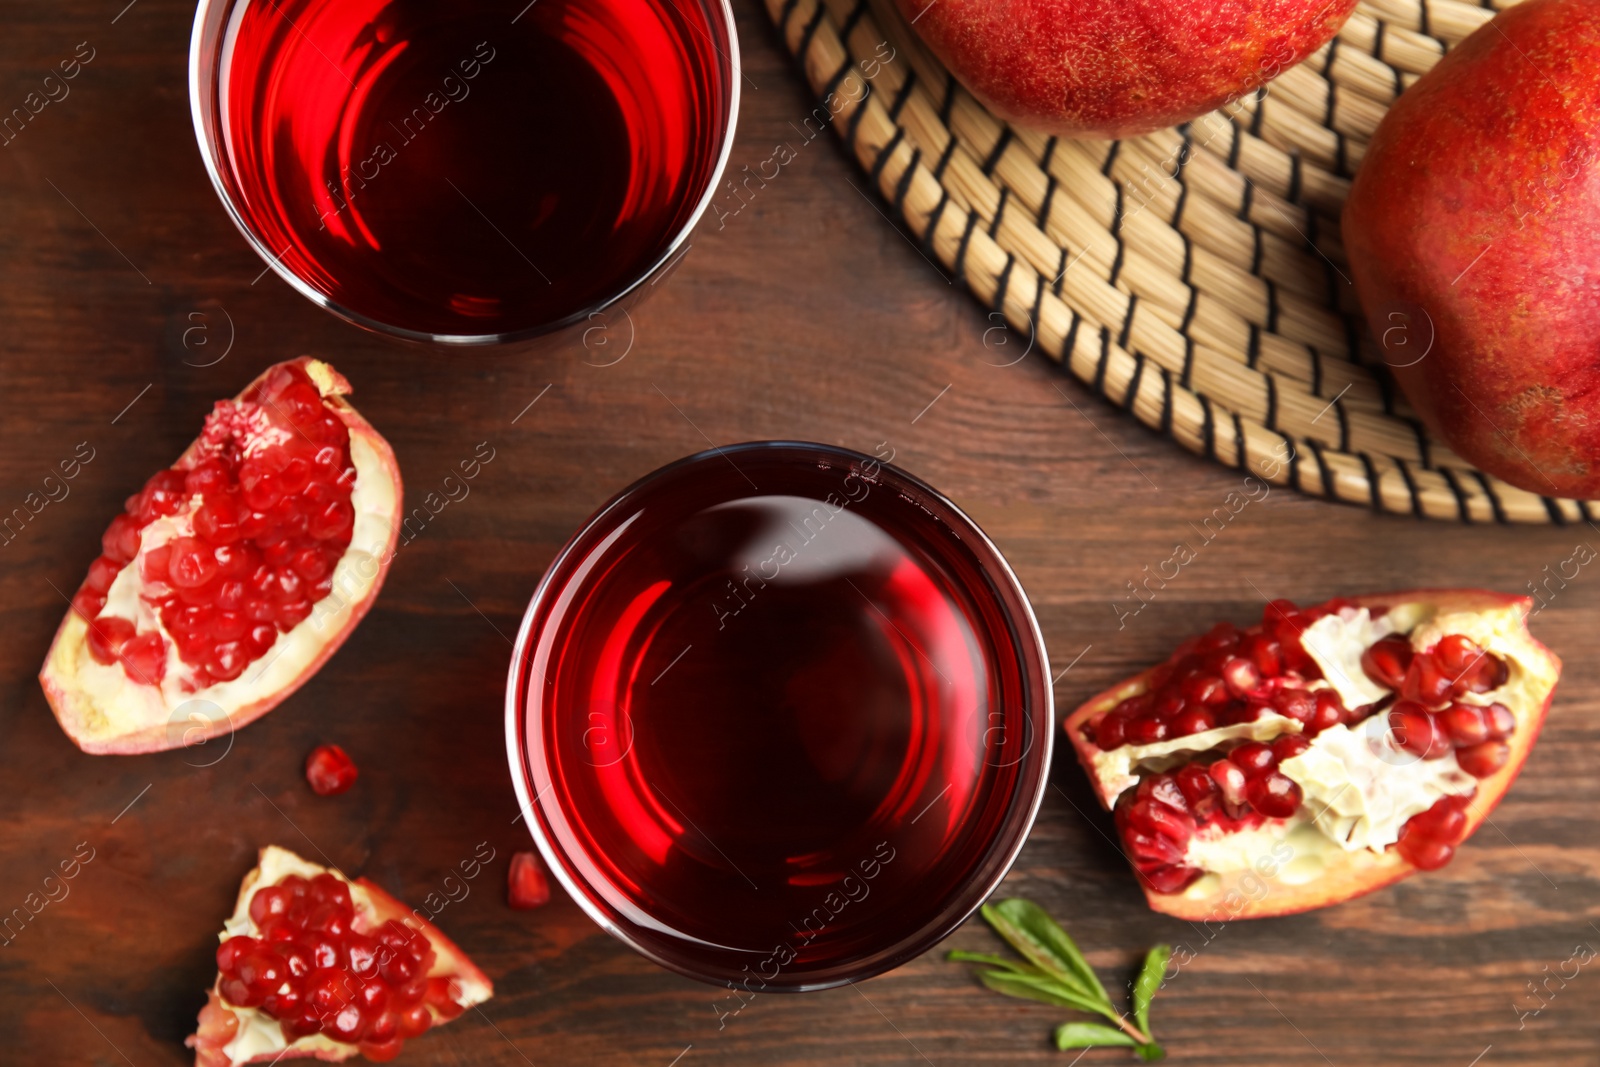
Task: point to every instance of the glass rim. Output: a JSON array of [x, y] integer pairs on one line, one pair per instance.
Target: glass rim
[[1001, 852], [205, 43]]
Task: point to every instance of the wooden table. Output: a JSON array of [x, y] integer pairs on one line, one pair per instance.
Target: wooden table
[[805, 316]]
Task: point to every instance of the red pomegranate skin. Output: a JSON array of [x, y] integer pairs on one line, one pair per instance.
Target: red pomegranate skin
[[1478, 202], [1116, 68]]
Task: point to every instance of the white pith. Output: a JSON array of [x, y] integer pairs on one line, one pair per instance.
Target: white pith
[[260, 1035], [1359, 787], [115, 705]]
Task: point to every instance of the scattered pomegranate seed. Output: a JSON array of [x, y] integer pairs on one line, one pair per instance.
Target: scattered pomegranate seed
[[330, 770], [526, 885]]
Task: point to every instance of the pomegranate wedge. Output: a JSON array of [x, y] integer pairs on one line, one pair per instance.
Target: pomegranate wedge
[[1320, 754], [230, 578], [313, 964]]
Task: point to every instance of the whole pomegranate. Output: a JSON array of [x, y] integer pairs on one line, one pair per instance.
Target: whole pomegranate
[[1116, 68], [1473, 232]]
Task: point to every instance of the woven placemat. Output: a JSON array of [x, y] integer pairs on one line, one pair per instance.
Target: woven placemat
[[1195, 276]]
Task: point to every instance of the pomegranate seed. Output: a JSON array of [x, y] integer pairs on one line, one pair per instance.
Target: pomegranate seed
[[217, 522], [1196, 784], [1230, 779], [1482, 760], [1424, 853], [1289, 746], [102, 572], [1220, 638], [415, 1020], [1490, 675], [191, 563], [1241, 676], [1168, 703], [1193, 721], [381, 1051], [1425, 682], [1164, 787], [443, 997], [1171, 878], [1205, 689], [120, 542], [1296, 704], [1243, 713], [1264, 652], [1146, 730], [1455, 653], [1253, 758], [144, 658], [1385, 662], [1282, 613], [329, 770], [1328, 711], [1109, 731], [526, 886], [1502, 723], [1416, 730], [87, 603], [1146, 815], [269, 903], [1151, 848], [107, 636], [1274, 794], [1465, 724], [1445, 821]]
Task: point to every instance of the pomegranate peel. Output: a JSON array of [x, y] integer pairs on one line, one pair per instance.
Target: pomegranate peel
[[230, 1034], [232, 576], [1201, 814]]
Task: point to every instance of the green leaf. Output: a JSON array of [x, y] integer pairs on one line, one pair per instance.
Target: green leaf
[[1149, 980], [1038, 937], [1043, 988], [960, 956], [1152, 1052], [1087, 1035]]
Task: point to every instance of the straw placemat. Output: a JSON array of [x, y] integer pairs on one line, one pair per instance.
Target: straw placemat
[[1195, 276]]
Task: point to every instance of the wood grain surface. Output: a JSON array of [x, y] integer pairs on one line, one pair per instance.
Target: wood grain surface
[[803, 315]]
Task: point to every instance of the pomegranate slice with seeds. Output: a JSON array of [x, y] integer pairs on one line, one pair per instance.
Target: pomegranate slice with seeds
[[230, 578], [312, 964], [1320, 754]]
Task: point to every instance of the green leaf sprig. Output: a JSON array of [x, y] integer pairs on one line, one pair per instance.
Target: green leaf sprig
[[1057, 973]]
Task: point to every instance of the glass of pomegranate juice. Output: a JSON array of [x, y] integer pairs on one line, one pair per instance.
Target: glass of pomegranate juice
[[779, 716], [469, 172]]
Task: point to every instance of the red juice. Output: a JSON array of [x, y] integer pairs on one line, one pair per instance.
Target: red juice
[[777, 715], [470, 168]]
